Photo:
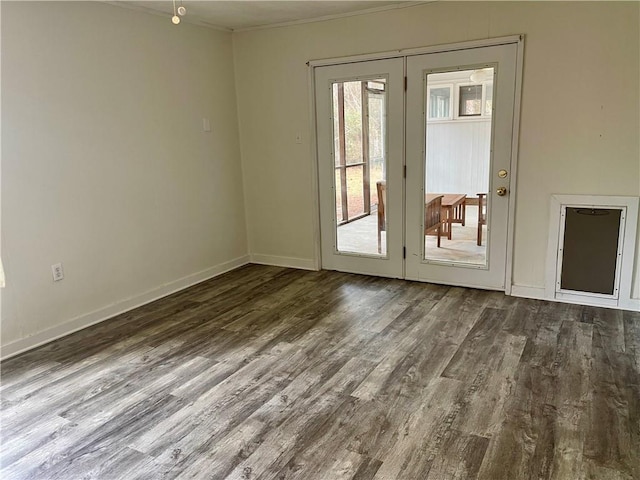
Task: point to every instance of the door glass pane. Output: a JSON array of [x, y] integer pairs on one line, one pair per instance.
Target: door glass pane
[[359, 139], [457, 165]]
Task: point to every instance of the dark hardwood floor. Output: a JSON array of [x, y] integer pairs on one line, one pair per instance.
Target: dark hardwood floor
[[273, 373]]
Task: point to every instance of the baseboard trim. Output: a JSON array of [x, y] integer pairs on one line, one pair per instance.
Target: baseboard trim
[[539, 293], [632, 304], [22, 345], [525, 291], [290, 262]]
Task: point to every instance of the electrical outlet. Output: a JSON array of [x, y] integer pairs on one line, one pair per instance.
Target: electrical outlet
[[58, 273], [298, 138]]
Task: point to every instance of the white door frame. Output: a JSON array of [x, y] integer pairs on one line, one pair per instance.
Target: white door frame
[[390, 263], [511, 39]]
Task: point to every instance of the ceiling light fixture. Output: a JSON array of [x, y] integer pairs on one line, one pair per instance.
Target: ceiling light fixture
[[181, 11], [481, 75]]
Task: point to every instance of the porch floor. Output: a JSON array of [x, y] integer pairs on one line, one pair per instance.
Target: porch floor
[[360, 236]]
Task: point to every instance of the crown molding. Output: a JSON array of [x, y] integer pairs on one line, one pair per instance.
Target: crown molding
[[201, 23], [325, 18]]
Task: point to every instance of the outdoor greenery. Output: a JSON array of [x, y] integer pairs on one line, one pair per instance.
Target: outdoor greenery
[[353, 134]]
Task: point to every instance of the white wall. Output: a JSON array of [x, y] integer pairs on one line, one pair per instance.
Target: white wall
[[458, 156], [579, 122], [105, 166]]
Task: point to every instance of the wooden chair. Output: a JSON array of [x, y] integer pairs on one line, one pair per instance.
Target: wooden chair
[[381, 186], [432, 217], [482, 215], [432, 214]]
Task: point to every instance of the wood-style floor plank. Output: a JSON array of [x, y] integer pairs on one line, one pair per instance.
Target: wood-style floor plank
[[459, 458], [272, 373]]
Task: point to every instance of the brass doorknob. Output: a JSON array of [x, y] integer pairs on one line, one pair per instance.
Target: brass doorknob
[[502, 191]]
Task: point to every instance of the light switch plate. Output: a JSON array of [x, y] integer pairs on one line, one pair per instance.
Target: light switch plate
[[57, 271]]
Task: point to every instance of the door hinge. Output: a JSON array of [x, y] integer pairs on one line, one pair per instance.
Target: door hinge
[[404, 172], [405, 84], [404, 252]]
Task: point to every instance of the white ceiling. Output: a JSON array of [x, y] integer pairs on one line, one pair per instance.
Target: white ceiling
[[239, 14]]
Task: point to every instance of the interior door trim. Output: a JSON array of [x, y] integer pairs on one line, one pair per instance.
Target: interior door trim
[[515, 139], [315, 178], [408, 52]]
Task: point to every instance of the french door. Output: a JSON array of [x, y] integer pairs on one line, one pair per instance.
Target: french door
[[460, 108], [360, 132], [414, 163]]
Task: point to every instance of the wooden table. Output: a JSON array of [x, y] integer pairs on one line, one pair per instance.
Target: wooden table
[[454, 209]]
